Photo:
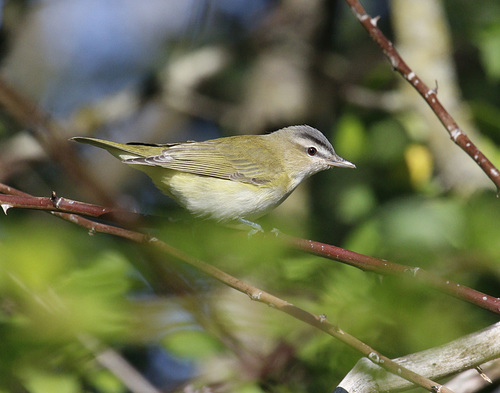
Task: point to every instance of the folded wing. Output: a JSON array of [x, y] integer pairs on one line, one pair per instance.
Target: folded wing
[[211, 158]]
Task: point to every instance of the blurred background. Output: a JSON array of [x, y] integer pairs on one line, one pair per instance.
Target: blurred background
[[90, 313]]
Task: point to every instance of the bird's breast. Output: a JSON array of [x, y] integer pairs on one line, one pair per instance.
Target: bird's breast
[[219, 199]]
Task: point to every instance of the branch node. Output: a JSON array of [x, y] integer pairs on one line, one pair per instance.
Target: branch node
[[456, 133], [322, 318], [361, 17], [374, 357], [394, 62], [56, 201], [255, 296], [413, 271], [410, 76], [430, 92]]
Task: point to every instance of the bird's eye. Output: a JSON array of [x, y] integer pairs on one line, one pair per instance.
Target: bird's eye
[[312, 151]]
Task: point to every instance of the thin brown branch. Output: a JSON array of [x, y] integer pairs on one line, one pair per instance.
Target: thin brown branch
[[429, 95], [64, 205], [61, 205], [381, 266], [5, 189], [319, 321]]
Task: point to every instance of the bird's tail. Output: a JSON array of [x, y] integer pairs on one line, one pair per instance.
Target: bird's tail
[[119, 150]]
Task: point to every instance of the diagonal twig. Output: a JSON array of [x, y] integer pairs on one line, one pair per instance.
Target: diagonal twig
[[59, 205], [319, 321], [382, 266], [429, 95]]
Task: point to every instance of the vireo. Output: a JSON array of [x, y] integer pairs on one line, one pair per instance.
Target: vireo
[[237, 178]]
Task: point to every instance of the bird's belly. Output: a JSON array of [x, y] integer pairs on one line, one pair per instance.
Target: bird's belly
[[219, 199]]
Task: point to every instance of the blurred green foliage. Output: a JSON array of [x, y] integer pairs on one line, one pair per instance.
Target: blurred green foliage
[[53, 292], [59, 285]]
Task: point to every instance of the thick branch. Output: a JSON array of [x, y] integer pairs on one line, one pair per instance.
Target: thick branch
[[429, 95], [439, 362]]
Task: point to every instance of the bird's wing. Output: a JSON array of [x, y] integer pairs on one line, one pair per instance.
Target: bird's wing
[[211, 159]]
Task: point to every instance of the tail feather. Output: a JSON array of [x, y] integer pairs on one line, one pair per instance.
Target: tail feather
[[120, 150]]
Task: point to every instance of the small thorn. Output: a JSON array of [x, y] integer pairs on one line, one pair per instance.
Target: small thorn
[[6, 207], [375, 20], [483, 375], [435, 90]]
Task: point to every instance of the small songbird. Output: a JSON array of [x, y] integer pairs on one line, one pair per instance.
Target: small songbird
[[237, 178]]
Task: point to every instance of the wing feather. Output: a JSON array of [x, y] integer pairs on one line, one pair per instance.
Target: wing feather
[[211, 158]]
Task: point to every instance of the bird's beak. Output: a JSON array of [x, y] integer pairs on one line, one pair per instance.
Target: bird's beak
[[341, 163]]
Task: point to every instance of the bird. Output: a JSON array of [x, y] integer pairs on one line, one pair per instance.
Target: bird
[[231, 179]]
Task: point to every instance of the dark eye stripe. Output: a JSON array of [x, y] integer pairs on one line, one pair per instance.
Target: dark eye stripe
[[318, 142]]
